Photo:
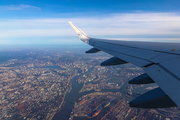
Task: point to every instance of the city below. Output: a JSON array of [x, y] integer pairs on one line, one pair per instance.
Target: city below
[[67, 84]]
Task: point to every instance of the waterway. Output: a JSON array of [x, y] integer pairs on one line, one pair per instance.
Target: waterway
[[70, 98], [73, 96]]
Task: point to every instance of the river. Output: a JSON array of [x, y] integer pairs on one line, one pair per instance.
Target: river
[[70, 99], [73, 96]]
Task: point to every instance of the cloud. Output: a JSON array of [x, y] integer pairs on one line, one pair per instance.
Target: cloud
[[18, 7], [128, 25]]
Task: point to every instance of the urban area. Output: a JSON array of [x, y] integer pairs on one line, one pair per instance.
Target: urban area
[[40, 84]]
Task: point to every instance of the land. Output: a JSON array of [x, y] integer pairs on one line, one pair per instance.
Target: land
[[34, 84]]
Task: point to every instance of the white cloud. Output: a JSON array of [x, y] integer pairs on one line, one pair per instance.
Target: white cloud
[[140, 24], [18, 7]]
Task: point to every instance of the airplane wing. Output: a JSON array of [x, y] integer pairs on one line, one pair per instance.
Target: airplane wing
[[160, 61]]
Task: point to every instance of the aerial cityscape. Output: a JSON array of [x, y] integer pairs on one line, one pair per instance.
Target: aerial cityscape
[[45, 73], [49, 84]]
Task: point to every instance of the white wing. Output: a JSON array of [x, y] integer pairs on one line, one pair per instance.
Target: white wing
[[161, 62]]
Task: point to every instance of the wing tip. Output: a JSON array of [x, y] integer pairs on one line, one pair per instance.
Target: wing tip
[[80, 33], [69, 22]]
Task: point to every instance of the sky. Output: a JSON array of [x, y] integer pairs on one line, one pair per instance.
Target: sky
[[45, 22]]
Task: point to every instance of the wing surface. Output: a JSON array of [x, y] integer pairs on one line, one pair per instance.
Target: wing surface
[[161, 62]]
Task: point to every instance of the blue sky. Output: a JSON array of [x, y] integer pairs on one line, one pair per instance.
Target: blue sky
[[44, 22]]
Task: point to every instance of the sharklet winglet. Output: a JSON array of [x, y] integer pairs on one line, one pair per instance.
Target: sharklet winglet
[[79, 33]]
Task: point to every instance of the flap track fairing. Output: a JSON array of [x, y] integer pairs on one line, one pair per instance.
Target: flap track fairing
[[155, 98], [142, 79], [113, 61], [93, 50]]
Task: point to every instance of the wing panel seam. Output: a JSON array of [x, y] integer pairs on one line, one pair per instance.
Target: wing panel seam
[[166, 70], [126, 54], [136, 47]]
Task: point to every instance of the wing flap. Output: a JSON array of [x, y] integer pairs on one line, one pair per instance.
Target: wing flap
[[167, 82], [173, 66]]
